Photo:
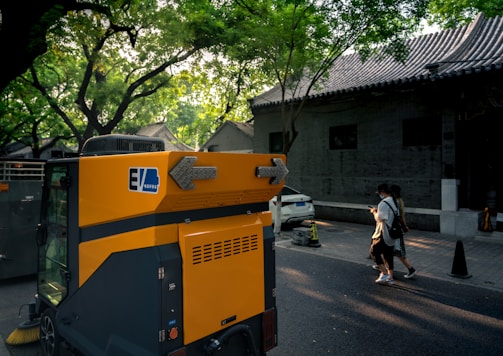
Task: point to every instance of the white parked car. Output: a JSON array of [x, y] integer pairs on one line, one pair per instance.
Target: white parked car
[[295, 206]]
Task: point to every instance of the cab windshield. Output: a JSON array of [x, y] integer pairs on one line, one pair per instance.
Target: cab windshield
[[53, 267]]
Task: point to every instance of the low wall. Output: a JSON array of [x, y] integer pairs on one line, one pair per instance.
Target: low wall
[[417, 218]]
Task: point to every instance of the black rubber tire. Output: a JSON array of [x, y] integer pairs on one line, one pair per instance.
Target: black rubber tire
[[50, 340]]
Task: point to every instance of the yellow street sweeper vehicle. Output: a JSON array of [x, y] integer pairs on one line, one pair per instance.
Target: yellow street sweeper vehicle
[[157, 253]]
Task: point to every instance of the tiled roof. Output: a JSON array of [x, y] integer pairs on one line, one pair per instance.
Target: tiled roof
[[244, 127], [470, 49], [161, 130]]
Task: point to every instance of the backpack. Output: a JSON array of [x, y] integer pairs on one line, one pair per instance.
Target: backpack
[[396, 230]]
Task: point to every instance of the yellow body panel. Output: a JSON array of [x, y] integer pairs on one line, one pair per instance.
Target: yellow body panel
[[223, 273], [105, 195], [93, 253]]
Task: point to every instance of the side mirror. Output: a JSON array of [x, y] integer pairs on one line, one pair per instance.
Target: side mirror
[[41, 234]]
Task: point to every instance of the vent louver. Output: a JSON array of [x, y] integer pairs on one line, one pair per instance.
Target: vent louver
[[221, 249]]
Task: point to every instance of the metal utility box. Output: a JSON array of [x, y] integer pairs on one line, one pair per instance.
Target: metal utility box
[[301, 236], [20, 193]]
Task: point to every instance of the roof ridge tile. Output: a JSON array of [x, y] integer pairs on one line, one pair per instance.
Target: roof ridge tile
[[462, 51]]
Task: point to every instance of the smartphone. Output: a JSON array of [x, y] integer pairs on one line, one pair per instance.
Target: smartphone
[[370, 207]]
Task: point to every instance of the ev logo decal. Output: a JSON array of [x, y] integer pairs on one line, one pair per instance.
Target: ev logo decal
[[143, 180]]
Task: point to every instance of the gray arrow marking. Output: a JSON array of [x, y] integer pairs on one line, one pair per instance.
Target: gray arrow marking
[[276, 173], [184, 172]]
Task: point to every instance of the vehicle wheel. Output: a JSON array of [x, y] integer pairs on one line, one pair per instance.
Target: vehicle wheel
[[50, 340]]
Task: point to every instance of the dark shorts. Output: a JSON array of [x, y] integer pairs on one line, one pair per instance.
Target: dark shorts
[[379, 250]]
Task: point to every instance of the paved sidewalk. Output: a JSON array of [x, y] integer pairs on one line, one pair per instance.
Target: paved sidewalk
[[432, 254]]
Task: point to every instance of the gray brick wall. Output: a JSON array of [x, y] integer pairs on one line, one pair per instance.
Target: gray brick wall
[[351, 175]]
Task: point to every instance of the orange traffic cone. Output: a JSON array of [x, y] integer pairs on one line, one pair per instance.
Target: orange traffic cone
[[459, 268], [486, 225]]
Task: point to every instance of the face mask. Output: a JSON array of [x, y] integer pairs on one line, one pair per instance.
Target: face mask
[[381, 196]]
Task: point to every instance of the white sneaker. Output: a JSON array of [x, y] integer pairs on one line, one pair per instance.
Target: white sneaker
[[383, 278], [375, 267]]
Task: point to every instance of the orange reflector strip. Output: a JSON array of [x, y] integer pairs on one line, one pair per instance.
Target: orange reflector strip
[[179, 352]]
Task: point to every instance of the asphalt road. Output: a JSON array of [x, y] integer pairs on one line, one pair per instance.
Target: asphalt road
[[327, 306], [332, 307]]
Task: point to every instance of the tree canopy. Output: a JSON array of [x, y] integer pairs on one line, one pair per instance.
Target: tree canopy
[[23, 28], [455, 13], [127, 64], [83, 68]]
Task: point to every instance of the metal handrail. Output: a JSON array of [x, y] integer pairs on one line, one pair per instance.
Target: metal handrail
[[21, 170]]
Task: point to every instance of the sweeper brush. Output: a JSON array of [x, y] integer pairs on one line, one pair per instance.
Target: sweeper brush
[[26, 333]]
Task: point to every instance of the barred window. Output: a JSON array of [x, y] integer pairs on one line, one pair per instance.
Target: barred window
[[276, 142], [343, 137]]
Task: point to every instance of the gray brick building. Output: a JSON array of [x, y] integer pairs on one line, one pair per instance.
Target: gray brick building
[[430, 125]]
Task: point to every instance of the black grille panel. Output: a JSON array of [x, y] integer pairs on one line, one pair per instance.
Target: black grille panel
[[222, 249]]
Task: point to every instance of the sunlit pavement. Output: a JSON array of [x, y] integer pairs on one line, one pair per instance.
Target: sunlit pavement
[[470, 261]]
